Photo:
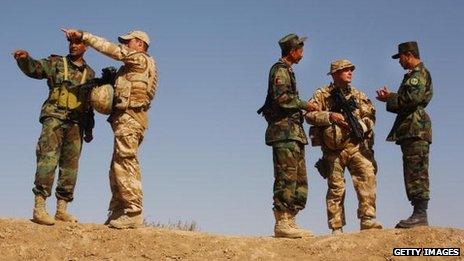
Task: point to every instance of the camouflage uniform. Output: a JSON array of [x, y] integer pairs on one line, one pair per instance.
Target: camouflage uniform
[[65, 115], [286, 135], [135, 87], [340, 152], [413, 129]]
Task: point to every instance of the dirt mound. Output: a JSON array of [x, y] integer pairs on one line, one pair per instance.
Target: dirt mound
[[24, 240]]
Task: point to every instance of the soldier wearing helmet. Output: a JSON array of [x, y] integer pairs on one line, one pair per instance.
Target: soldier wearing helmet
[[135, 87], [340, 150]]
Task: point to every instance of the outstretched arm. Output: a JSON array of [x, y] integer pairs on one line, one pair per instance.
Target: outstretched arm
[[36, 69], [284, 97], [115, 51]]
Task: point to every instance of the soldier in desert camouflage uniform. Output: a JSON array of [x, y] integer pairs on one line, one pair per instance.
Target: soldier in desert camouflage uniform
[[285, 133], [135, 87], [340, 150], [412, 129], [66, 119]]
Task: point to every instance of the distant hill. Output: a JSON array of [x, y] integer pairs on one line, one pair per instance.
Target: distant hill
[[24, 240]]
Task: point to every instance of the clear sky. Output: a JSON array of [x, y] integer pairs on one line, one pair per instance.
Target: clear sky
[[203, 157]]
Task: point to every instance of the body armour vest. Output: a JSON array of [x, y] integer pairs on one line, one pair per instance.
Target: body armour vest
[[135, 84]]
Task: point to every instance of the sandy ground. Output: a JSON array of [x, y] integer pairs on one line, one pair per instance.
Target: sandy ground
[[24, 240]]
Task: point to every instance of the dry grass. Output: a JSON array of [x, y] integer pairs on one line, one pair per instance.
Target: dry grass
[[179, 225]]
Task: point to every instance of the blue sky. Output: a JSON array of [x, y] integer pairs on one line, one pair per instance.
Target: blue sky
[[203, 157]]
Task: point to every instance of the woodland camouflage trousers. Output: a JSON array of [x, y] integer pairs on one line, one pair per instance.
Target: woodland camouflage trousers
[[60, 145], [291, 182]]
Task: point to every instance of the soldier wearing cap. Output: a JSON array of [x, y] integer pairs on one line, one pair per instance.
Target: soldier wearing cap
[[340, 150], [134, 90], [412, 129], [67, 119], [283, 112]]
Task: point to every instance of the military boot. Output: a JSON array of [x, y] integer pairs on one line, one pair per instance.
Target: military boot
[[369, 223], [283, 226], [39, 214], [337, 231], [293, 224], [127, 220], [114, 214], [418, 217], [62, 213]]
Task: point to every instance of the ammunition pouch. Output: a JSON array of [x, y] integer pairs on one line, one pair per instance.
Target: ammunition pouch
[[65, 97]]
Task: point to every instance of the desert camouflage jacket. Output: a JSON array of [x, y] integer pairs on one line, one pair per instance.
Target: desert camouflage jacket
[[286, 104], [136, 81], [63, 103], [414, 94], [365, 113]]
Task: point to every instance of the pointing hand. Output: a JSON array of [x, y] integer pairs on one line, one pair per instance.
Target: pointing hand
[[20, 54], [72, 34]]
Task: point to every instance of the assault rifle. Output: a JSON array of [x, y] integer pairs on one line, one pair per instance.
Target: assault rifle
[[108, 76], [346, 108]]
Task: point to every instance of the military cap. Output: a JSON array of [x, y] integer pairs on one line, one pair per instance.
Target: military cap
[[339, 65], [406, 47], [291, 41], [134, 34]]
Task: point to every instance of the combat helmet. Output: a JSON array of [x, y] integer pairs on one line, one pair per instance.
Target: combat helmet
[[101, 98]]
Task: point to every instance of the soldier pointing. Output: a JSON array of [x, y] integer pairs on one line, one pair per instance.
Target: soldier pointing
[[134, 89], [66, 119]]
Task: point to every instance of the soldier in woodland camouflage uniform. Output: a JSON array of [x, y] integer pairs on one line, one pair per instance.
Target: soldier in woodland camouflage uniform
[[66, 119], [285, 133], [412, 129], [340, 150], [135, 87]]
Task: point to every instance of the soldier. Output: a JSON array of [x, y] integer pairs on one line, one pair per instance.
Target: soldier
[[332, 131], [66, 119], [135, 87], [285, 133], [412, 129]]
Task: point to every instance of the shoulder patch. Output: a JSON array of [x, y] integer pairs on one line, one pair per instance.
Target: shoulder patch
[[414, 81], [281, 76]]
